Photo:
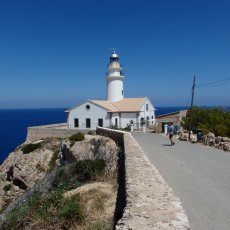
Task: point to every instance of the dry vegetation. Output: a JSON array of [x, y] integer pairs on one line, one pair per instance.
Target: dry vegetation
[[82, 196]]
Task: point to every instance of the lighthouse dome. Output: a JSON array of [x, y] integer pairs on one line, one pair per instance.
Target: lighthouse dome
[[114, 55]]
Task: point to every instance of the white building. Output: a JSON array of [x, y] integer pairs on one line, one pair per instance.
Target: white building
[[116, 111]]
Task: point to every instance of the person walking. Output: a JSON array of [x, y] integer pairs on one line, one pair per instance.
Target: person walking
[[170, 132]]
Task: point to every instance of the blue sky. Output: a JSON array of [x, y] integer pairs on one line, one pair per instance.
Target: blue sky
[[54, 53]]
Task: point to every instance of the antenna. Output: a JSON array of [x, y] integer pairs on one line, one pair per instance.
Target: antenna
[[113, 50]]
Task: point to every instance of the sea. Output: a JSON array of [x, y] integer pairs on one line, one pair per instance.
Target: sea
[[14, 123]]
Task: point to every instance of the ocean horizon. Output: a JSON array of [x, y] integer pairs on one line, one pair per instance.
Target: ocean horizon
[[14, 123]]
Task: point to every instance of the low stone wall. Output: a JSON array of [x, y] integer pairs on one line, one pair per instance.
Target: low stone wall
[[148, 203], [54, 130]]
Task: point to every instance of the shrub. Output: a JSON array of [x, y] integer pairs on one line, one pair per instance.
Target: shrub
[[88, 169], [66, 178], [14, 219], [47, 210], [30, 147], [70, 208], [216, 121], [77, 137], [52, 162]]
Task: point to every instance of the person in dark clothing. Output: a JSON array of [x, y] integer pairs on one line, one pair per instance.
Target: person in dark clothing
[[170, 133]]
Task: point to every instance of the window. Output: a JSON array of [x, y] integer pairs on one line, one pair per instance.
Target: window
[[76, 123], [88, 122], [116, 121], [147, 107], [100, 122], [87, 107]]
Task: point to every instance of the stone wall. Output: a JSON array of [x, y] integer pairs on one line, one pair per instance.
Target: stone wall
[[144, 199], [118, 137], [55, 130], [147, 201], [174, 117]]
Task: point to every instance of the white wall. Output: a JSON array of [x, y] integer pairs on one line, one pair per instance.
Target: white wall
[[115, 116], [115, 88], [94, 113], [126, 118], [150, 113]]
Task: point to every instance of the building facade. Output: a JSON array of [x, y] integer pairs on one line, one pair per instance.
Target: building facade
[[116, 111]]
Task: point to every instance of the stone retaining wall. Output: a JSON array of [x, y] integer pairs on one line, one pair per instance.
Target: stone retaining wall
[[55, 130], [144, 199], [148, 202]]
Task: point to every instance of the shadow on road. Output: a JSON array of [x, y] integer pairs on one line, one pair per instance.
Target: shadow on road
[[166, 144]]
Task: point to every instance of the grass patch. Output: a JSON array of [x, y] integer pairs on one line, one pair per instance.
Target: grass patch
[[76, 137], [70, 208], [99, 225], [52, 162], [87, 170], [74, 175], [66, 178], [30, 147], [51, 209]]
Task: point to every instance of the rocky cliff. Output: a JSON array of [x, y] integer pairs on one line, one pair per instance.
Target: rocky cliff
[[23, 173]]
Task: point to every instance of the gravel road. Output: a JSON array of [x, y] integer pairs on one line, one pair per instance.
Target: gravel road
[[199, 176]]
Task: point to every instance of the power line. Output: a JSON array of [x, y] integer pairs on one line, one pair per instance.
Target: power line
[[215, 83]]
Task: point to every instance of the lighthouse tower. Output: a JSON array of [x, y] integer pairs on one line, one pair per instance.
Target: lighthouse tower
[[114, 79]]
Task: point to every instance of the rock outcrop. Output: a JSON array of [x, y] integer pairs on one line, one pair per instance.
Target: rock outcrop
[[21, 172], [184, 136], [218, 142], [209, 139]]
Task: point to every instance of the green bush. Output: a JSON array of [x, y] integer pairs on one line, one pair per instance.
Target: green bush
[[72, 176], [215, 120], [70, 208], [48, 209], [14, 219], [30, 148], [77, 137], [66, 178], [88, 169]]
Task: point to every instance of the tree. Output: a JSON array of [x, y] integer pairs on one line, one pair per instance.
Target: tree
[[215, 120]]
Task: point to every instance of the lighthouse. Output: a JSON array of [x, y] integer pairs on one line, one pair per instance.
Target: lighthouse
[[116, 111], [114, 79]]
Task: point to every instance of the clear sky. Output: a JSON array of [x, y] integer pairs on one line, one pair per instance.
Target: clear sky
[[53, 53]]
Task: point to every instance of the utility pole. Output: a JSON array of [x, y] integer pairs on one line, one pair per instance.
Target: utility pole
[[190, 122]]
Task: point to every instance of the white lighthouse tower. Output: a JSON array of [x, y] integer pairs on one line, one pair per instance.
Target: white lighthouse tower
[[114, 78]]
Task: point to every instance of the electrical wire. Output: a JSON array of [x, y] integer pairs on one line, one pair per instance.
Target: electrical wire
[[215, 83]]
